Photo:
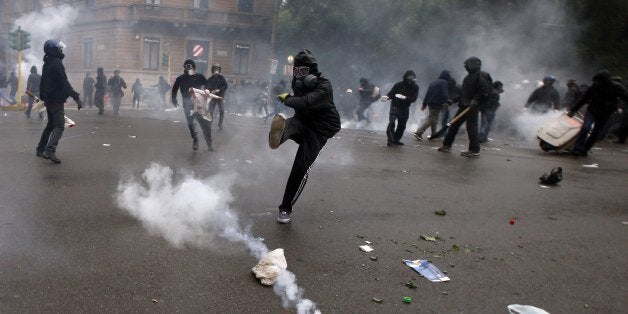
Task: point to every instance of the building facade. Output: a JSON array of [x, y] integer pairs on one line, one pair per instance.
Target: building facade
[[148, 38]]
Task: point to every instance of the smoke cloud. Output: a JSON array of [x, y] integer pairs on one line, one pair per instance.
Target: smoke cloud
[[193, 212], [49, 23]]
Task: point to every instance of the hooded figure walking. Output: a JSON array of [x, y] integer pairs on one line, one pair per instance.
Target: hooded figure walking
[[402, 95], [191, 79], [54, 90], [32, 85], [101, 89], [435, 99], [315, 121], [476, 88]]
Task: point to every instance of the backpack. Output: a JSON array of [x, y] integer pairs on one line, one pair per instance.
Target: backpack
[[376, 93]]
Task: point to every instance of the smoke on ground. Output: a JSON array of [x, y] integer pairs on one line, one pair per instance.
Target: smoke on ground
[[193, 212]]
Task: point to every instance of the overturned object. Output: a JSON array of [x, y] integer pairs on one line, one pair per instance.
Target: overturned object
[[270, 266], [555, 176]]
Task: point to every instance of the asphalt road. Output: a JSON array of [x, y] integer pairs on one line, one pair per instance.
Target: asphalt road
[[66, 246]]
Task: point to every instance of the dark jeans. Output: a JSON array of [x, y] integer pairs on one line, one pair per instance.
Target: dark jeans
[[487, 117], [88, 97], [361, 109], [586, 141], [471, 118], [115, 103], [399, 115], [136, 100], [221, 109], [205, 125], [54, 128], [31, 101], [444, 116], [99, 100], [310, 145]]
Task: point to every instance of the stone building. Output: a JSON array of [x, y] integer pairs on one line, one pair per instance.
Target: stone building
[[139, 36]]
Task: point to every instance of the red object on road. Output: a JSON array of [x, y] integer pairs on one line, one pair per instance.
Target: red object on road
[[512, 221]]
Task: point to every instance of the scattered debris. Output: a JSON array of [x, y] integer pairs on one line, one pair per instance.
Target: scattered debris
[[511, 221], [132, 136], [525, 309], [368, 242], [366, 248], [106, 145], [427, 269], [373, 258], [553, 177], [428, 238], [455, 247], [411, 285], [440, 212], [378, 300], [407, 300], [270, 266], [248, 161], [624, 222], [155, 301], [595, 165]]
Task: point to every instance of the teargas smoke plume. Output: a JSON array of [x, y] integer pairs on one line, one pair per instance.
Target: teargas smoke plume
[[193, 212], [50, 22]]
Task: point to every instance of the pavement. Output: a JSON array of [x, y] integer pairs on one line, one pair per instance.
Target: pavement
[[67, 246]]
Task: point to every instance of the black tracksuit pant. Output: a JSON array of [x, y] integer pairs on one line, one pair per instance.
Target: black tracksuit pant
[[310, 145], [471, 118]]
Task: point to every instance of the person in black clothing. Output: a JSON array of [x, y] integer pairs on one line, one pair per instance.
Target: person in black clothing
[[137, 89], [88, 90], [402, 95], [572, 95], [32, 85], [13, 82], [191, 79], [116, 84], [622, 129], [487, 112], [217, 85], [101, 89], [545, 97], [315, 121], [476, 87], [602, 98], [162, 87], [454, 97], [54, 90], [365, 92]]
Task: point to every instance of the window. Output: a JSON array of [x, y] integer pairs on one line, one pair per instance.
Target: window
[[155, 2], [245, 6], [90, 3], [241, 59], [201, 4], [151, 53], [88, 53]]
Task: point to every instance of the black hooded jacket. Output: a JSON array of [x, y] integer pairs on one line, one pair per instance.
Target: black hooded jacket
[[410, 90], [55, 87], [602, 96], [316, 108], [217, 81], [438, 91], [476, 86], [366, 93], [183, 83]]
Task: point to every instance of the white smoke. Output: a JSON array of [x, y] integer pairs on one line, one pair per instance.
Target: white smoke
[[194, 212], [527, 123], [49, 23]]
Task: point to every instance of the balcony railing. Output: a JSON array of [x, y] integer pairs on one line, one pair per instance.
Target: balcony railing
[[174, 14]]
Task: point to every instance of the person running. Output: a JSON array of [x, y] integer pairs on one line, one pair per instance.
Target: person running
[[401, 96], [436, 97]]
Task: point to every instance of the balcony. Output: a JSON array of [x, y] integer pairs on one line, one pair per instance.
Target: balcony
[[161, 13]]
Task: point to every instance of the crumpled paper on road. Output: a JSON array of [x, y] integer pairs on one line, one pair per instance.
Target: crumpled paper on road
[[270, 266]]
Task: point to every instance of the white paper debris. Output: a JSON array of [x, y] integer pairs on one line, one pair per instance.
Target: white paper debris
[[368, 242], [525, 309], [270, 266], [592, 166], [132, 136], [107, 145], [248, 161], [366, 248]]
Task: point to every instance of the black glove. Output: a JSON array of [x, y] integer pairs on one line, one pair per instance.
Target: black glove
[[473, 104], [79, 103]]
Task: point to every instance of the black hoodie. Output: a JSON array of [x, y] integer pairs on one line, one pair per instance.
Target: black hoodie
[[407, 88], [54, 87], [602, 95]]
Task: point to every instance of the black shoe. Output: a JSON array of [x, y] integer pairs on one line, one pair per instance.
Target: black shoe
[[283, 217], [389, 144], [444, 148], [469, 154], [40, 154], [398, 143], [195, 144], [51, 156]]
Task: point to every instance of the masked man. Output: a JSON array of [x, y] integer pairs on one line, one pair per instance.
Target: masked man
[[401, 96], [217, 85], [315, 121], [116, 84], [54, 90], [184, 82]]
